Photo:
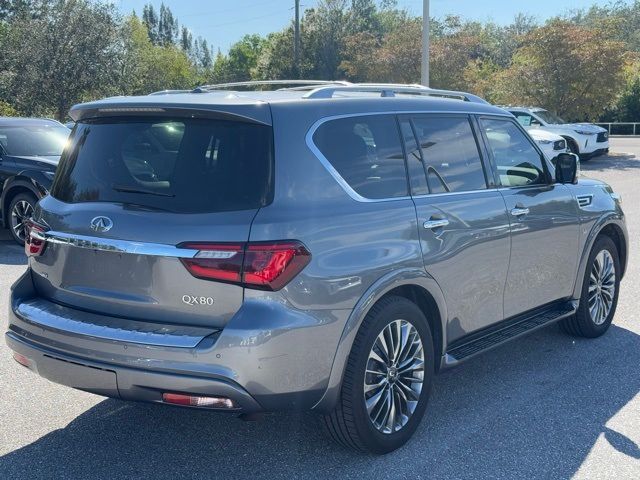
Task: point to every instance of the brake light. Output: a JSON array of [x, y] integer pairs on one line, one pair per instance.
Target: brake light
[[216, 262], [34, 241], [264, 266]]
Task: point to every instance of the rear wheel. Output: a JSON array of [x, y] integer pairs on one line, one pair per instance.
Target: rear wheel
[[387, 380], [20, 210], [599, 297]]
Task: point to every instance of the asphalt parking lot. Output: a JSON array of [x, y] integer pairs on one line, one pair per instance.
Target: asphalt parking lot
[[547, 406]]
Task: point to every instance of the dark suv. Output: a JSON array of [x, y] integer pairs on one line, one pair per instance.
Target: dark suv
[[325, 247], [30, 149]]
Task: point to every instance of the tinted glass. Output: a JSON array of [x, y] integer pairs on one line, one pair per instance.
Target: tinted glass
[[367, 153], [417, 176], [549, 117], [34, 140], [186, 166], [450, 154], [525, 119], [518, 162]]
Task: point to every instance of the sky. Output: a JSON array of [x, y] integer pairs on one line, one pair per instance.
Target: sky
[[223, 22]]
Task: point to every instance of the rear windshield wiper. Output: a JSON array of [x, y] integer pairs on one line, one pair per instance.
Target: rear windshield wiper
[[133, 189]]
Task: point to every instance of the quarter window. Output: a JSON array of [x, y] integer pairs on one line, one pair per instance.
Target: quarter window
[[449, 153], [517, 161], [367, 153]]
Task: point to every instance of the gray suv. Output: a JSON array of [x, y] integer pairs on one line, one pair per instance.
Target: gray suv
[[325, 247]]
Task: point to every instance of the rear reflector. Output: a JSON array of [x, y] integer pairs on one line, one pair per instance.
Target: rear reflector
[[196, 401], [22, 360], [260, 265], [34, 242]]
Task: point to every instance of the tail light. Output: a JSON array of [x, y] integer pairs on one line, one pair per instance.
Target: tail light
[[264, 266], [34, 241]]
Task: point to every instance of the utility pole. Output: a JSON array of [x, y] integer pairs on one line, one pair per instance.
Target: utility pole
[[425, 43], [296, 40]]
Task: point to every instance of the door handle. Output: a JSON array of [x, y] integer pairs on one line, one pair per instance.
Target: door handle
[[435, 223], [519, 211]]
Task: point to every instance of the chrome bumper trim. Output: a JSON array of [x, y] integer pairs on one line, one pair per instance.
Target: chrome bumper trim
[[56, 317]]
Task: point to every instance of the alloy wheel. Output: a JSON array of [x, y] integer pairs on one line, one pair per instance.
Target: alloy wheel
[[394, 376], [602, 287], [20, 213]]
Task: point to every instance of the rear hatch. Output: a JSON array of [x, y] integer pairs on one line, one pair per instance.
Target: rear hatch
[[135, 199]]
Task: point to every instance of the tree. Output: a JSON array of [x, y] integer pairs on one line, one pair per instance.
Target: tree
[[145, 67], [555, 70], [7, 110], [167, 27], [49, 67], [151, 21], [186, 41], [401, 53]]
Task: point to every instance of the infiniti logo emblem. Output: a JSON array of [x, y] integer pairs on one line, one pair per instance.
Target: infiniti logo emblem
[[101, 224]]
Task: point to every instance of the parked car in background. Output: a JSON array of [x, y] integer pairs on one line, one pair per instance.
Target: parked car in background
[[583, 139], [327, 248], [30, 149], [551, 144]]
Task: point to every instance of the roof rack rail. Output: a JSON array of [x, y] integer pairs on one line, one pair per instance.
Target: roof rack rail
[[259, 83], [169, 92], [391, 89]]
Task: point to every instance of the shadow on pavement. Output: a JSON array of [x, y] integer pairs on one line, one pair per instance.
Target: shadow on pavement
[[531, 409], [11, 253], [614, 160]]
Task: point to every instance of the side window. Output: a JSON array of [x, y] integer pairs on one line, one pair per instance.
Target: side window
[[450, 154], [417, 176], [518, 162], [525, 119], [367, 153]]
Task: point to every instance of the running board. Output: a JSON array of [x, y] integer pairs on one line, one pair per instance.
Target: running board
[[467, 349]]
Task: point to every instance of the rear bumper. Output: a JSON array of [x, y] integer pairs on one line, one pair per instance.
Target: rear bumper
[[126, 383], [268, 357]]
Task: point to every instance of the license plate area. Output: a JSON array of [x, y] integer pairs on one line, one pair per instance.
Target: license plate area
[[82, 377]]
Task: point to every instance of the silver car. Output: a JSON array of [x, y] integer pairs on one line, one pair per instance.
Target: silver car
[[324, 246]]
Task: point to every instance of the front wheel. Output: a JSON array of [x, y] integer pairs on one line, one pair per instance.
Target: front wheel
[[599, 297], [20, 211], [387, 380]]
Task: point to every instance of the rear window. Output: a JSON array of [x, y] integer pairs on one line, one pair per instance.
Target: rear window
[[178, 165]]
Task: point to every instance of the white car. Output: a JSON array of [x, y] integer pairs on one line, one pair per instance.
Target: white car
[[550, 143], [585, 139]]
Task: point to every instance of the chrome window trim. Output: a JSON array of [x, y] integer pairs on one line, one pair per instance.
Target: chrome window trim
[[464, 192], [342, 182], [114, 245]]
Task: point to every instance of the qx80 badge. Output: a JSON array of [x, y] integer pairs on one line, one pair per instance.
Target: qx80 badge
[[193, 300]]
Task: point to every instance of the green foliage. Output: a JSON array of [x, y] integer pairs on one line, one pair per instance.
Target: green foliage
[[7, 110], [555, 71], [60, 52]]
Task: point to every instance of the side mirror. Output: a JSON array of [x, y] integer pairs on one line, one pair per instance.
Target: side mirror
[[567, 168]]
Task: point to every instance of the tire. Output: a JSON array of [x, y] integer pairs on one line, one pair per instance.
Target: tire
[[591, 322], [573, 148], [20, 209], [350, 423]]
